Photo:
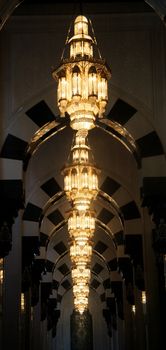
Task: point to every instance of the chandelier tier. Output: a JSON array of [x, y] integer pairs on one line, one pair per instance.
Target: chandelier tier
[[81, 223], [80, 274], [81, 174], [82, 79], [83, 94], [81, 253]]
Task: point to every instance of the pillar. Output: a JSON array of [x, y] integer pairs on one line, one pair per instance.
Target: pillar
[[12, 291], [36, 327], [81, 331], [152, 290], [139, 322], [129, 326]]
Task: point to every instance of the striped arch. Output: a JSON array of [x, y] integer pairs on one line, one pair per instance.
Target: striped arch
[[126, 205], [62, 275], [29, 131], [136, 121], [53, 230], [36, 123]]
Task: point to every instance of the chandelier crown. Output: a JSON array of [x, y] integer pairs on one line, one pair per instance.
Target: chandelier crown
[[81, 42]]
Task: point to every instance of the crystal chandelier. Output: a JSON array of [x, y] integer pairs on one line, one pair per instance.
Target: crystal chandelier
[[83, 94], [82, 79]]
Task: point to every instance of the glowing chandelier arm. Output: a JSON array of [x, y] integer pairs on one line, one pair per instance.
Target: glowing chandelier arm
[[6, 9], [112, 203], [122, 135], [42, 135], [52, 201], [57, 228], [108, 232]]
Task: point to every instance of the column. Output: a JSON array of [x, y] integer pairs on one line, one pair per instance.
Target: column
[[129, 327], [151, 284], [36, 324], [1, 298], [139, 322], [81, 331], [12, 290], [120, 323]]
